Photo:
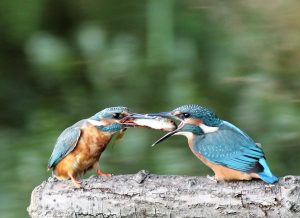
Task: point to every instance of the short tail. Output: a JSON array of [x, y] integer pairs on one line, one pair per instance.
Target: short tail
[[267, 175], [268, 179]]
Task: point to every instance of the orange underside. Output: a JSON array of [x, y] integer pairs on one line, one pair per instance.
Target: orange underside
[[223, 173], [91, 144]]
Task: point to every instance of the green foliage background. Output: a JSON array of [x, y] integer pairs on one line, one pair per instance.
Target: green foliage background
[[61, 61]]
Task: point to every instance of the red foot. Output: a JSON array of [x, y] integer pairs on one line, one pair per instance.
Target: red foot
[[75, 182], [100, 173]]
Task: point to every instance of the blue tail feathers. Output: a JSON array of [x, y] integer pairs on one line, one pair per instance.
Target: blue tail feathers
[[268, 179], [267, 175]]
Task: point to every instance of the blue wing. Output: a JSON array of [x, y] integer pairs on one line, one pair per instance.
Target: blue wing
[[65, 143], [231, 147]]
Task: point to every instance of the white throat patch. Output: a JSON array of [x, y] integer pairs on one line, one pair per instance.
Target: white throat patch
[[190, 136], [186, 134], [208, 129]]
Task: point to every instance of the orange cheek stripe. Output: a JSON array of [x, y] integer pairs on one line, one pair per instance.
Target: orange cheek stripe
[[195, 122]]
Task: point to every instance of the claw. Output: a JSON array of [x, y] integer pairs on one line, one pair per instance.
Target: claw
[[96, 167], [75, 182]]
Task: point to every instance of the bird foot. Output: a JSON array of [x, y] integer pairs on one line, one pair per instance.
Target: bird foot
[[212, 178], [100, 173], [76, 183]]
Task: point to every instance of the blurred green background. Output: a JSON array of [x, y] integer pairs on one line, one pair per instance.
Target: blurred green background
[[62, 61]]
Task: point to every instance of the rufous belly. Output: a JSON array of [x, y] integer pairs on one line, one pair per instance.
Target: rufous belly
[[91, 144]]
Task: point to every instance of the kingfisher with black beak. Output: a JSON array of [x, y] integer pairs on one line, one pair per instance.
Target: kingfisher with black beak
[[79, 147], [220, 145]]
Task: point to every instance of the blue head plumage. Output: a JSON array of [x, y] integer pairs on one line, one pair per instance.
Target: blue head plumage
[[195, 111], [111, 113]]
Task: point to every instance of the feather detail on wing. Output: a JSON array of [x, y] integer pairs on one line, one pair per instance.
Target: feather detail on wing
[[65, 143], [230, 147]]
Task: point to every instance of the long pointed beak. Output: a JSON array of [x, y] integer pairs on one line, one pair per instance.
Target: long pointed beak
[[161, 114], [169, 134], [164, 114], [140, 116]]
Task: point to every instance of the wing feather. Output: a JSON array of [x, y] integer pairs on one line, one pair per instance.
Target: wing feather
[[65, 143], [230, 147]]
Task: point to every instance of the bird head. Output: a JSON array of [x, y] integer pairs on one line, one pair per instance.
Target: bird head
[[117, 119], [109, 119], [111, 113], [194, 119]]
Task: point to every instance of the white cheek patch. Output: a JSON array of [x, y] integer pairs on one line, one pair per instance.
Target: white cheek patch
[[96, 123], [208, 129]]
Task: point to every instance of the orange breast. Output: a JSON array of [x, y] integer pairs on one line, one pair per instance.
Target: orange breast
[[91, 144], [222, 173]]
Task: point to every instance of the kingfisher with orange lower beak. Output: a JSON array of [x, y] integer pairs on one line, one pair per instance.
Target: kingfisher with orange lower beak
[[220, 145], [79, 147]]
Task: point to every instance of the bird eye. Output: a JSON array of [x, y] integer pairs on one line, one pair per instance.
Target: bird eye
[[184, 115], [116, 115]]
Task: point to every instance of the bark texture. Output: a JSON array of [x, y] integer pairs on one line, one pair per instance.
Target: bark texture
[[148, 195]]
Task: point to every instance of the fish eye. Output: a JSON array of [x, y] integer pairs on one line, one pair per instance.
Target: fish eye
[[116, 115]]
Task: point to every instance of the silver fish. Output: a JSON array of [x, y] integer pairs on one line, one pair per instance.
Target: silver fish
[[159, 123]]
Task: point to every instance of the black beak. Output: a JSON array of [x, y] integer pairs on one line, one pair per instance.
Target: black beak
[[161, 114], [165, 114], [169, 134], [139, 116]]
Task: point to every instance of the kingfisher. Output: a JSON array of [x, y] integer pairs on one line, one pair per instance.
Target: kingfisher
[[79, 147], [220, 145]]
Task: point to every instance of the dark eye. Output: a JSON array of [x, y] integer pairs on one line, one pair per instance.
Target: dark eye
[[116, 115], [184, 115]]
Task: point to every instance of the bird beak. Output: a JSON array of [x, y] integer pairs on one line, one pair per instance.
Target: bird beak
[[169, 134], [140, 116], [163, 114]]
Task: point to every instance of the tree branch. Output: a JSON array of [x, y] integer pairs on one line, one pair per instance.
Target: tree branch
[[149, 195]]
